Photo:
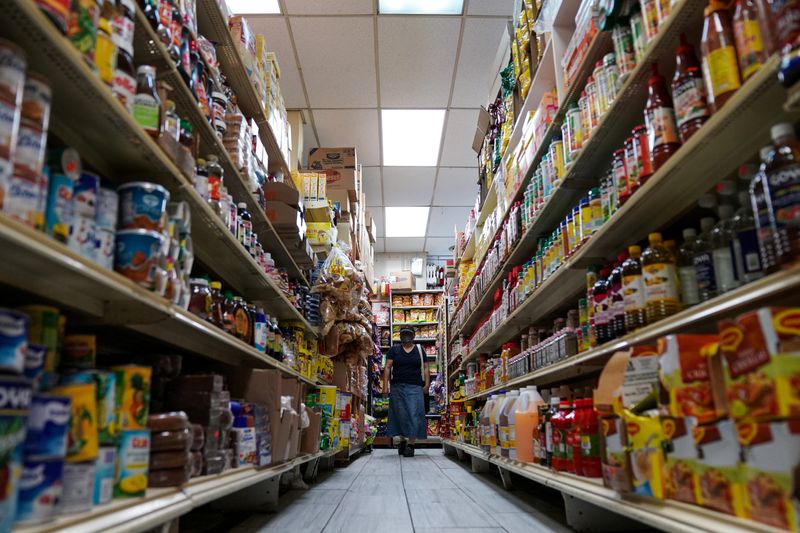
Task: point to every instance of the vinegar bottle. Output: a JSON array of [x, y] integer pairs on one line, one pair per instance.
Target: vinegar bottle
[[720, 64], [688, 91], [660, 280], [659, 115], [633, 295]]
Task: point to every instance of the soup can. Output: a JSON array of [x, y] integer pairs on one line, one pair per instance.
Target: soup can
[[77, 488]]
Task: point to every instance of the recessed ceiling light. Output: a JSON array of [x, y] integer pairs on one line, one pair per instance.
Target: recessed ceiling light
[[420, 7], [406, 221], [254, 7], [411, 137]]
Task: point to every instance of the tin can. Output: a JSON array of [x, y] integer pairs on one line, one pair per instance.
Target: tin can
[[137, 255], [58, 211], [106, 396], [82, 443], [142, 205], [105, 242], [35, 355], [133, 396], [57, 11], [82, 237], [14, 327], [44, 330], [15, 400], [12, 80], [77, 488], [107, 207], [133, 463], [85, 197], [105, 469], [39, 489], [79, 351], [48, 426]]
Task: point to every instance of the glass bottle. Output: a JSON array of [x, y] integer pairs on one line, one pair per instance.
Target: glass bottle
[[688, 91], [172, 124], [617, 304], [215, 187], [552, 459], [245, 226], [147, 103], [781, 186], [633, 290], [200, 300], [749, 39], [600, 301], [686, 271], [745, 243], [660, 280], [252, 313], [242, 319], [217, 304], [704, 261], [229, 313], [201, 180], [659, 115], [720, 64], [722, 251]]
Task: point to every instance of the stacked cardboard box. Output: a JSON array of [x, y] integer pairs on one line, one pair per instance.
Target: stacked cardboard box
[[286, 210]]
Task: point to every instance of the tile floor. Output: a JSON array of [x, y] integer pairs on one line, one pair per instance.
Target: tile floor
[[382, 492]]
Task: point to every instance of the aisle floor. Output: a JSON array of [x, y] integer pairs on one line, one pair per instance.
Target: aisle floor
[[386, 493]]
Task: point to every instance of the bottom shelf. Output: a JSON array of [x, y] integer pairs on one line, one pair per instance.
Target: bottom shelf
[[162, 505], [666, 515]]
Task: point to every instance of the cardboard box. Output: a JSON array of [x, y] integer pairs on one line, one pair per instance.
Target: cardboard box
[[340, 198], [309, 440], [403, 280], [330, 158], [342, 180], [282, 192], [263, 386], [284, 216]]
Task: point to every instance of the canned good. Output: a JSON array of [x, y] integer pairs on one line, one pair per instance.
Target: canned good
[[624, 53], [611, 77], [82, 443], [137, 255], [638, 35], [105, 469], [82, 28], [15, 400], [107, 207], [58, 211], [44, 330], [133, 463], [12, 81], [35, 355], [79, 351], [14, 327], [85, 195], [133, 396], [77, 488], [106, 396], [105, 242], [48, 426], [39, 489], [82, 237], [142, 205]]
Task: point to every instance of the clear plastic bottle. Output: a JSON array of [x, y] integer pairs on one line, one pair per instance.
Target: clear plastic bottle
[[660, 280], [745, 243], [781, 188], [761, 210], [686, 271], [633, 290], [704, 261], [722, 251]]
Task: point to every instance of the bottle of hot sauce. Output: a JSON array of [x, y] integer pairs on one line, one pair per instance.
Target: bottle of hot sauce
[[688, 91], [659, 115], [720, 64]]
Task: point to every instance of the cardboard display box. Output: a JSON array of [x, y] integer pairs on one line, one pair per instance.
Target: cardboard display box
[[282, 192], [343, 180], [309, 440], [342, 198], [329, 158], [403, 280]]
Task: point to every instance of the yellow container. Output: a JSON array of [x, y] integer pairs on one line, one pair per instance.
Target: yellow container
[[133, 396], [83, 441]]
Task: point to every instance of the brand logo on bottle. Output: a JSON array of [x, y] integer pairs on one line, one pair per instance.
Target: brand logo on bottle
[[785, 176]]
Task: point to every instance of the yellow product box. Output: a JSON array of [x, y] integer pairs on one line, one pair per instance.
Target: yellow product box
[[645, 440], [680, 474], [133, 396], [319, 232], [327, 398], [83, 440]]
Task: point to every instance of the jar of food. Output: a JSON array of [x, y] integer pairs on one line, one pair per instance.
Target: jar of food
[[593, 105], [200, 301], [574, 141], [650, 18], [642, 151], [624, 53], [147, 103], [611, 77], [219, 108], [601, 101], [631, 165], [639, 36], [620, 176]]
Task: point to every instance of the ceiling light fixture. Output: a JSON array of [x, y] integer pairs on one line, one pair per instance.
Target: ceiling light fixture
[[254, 7], [406, 221], [411, 137], [420, 7]]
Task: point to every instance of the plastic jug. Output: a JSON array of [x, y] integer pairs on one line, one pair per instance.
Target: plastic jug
[[505, 422], [494, 418], [527, 421], [484, 425]]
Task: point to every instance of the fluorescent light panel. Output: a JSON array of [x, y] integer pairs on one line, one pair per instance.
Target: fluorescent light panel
[[254, 7], [406, 221], [420, 7], [411, 137]]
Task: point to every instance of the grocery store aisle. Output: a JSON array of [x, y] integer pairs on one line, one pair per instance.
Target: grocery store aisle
[[384, 492]]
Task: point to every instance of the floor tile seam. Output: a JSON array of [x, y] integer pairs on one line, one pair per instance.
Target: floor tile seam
[[347, 490]]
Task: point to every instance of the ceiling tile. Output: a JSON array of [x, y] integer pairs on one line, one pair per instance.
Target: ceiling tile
[[491, 7], [459, 133], [404, 244], [371, 183], [439, 245], [350, 127], [408, 186], [417, 55], [443, 220], [326, 7], [456, 186], [378, 247], [377, 216], [337, 56], [476, 64], [276, 34]]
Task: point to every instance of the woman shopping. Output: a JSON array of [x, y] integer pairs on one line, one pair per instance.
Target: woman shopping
[[408, 375]]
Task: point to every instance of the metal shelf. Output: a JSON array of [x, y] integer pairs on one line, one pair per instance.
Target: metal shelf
[[37, 264], [713, 152], [666, 515]]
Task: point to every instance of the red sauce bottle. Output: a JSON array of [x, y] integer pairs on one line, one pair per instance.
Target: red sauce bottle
[[659, 117], [688, 91]]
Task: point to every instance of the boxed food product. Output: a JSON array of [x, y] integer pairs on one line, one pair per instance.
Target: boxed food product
[[330, 158], [343, 180], [761, 350], [679, 473], [645, 440], [615, 462], [717, 468]]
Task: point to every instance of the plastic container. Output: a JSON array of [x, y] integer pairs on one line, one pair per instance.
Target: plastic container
[[142, 205], [633, 295], [137, 255], [527, 423], [484, 424], [660, 280], [506, 424], [494, 421]]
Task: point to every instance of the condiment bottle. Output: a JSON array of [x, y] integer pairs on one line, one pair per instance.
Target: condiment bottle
[[616, 298], [620, 176], [749, 38], [602, 322], [686, 271], [780, 190], [633, 295], [242, 319], [217, 304], [660, 280], [641, 148], [720, 65], [624, 54], [659, 115], [229, 314], [147, 103], [245, 227], [590, 440], [172, 124], [786, 21], [688, 91], [200, 300], [650, 14]]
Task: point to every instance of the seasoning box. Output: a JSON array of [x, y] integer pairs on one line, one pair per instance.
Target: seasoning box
[[680, 477], [133, 396], [82, 442], [645, 440], [717, 468], [685, 373], [761, 350]]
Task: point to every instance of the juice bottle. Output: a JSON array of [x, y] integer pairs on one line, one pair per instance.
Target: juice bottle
[[590, 440], [686, 271], [745, 243], [659, 115], [748, 37], [688, 91], [602, 322], [505, 422], [550, 450], [781, 188], [761, 211], [617, 303], [527, 422], [720, 64], [494, 429], [660, 280], [704, 261], [484, 424], [633, 295], [722, 251]]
